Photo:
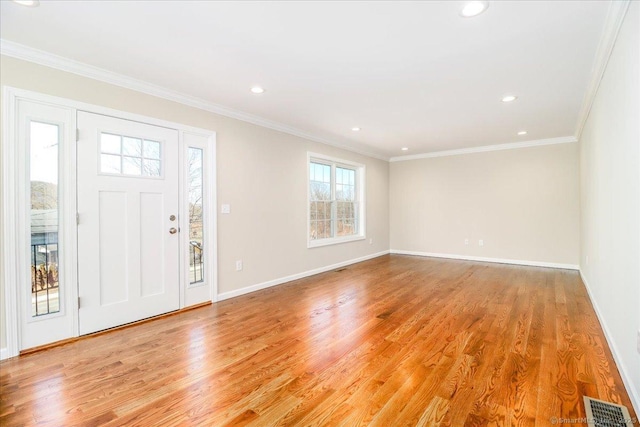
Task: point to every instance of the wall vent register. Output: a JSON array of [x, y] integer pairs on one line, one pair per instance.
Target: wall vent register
[[606, 414]]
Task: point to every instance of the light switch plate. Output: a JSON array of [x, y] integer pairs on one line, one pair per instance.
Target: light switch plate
[[226, 209]]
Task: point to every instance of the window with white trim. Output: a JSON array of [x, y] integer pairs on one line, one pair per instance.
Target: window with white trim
[[336, 201], [195, 159], [124, 155]]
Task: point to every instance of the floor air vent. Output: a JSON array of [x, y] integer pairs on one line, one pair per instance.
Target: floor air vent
[[606, 414]]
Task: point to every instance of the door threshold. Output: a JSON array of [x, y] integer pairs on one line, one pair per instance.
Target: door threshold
[[106, 331]]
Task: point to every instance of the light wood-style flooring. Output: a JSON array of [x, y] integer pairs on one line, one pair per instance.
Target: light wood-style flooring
[[393, 341]]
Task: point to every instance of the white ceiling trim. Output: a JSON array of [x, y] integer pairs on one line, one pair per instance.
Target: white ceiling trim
[[613, 22], [485, 148], [26, 53]]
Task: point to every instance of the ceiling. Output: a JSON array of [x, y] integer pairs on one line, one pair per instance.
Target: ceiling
[[409, 74]]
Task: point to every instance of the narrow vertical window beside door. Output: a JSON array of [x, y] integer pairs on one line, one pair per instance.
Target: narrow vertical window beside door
[[44, 141], [196, 259]]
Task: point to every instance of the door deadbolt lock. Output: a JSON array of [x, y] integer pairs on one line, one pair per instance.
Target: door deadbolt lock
[[173, 230], [172, 218]]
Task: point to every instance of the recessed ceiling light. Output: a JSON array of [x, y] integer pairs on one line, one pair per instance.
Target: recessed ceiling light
[[257, 89], [356, 129], [473, 8], [522, 132], [405, 148], [509, 98], [28, 3]]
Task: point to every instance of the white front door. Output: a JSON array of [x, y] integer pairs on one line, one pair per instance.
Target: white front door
[[128, 244]]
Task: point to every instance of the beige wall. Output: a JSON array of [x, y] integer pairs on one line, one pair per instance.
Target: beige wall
[[610, 199], [523, 203], [261, 173]]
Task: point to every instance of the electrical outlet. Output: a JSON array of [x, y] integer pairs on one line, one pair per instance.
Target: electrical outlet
[[466, 241], [371, 241], [239, 265], [225, 209], [480, 242]]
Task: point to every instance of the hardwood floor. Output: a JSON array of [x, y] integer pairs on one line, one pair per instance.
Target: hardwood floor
[[393, 341]]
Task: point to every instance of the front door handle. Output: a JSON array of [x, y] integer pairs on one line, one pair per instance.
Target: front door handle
[[173, 230]]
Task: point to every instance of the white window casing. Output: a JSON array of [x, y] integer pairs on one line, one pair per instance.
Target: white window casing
[[336, 208]]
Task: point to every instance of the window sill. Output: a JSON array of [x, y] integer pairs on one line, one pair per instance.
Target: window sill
[[333, 241]]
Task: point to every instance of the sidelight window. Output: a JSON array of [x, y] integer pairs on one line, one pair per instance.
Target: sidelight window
[[44, 140], [196, 224]]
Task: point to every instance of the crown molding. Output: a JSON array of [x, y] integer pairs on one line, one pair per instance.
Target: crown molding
[[613, 22], [486, 148], [26, 53]]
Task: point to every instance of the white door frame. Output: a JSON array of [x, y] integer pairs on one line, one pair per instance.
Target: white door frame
[[13, 185]]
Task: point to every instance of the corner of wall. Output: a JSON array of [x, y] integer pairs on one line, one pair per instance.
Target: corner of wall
[[634, 393]]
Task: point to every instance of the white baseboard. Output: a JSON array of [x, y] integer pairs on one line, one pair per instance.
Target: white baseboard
[[281, 280], [634, 393], [483, 259]]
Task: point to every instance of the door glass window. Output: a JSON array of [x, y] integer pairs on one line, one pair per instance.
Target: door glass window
[[125, 155], [196, 259], [43, 167]]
